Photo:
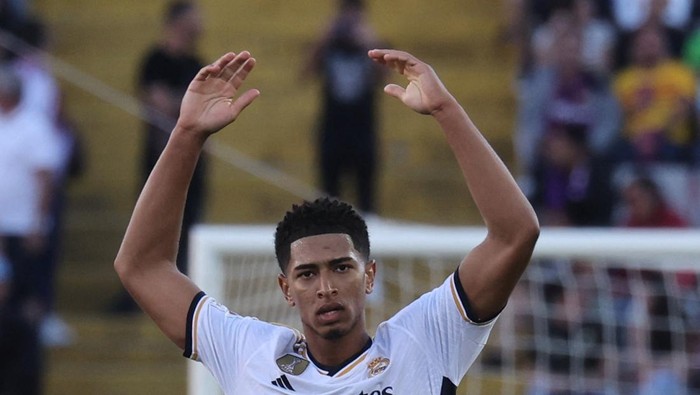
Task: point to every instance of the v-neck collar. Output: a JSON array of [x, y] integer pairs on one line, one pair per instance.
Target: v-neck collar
[[333, 370]]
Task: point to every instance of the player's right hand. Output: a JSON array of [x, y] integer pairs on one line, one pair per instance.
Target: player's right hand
[[210, 102]]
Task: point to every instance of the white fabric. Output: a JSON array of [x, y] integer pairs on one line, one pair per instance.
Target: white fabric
[[427, 341], [631, 14], [40, 92], [27, 145]]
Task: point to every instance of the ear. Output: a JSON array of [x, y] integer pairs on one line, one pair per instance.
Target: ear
[[370, 273], [284, 286]]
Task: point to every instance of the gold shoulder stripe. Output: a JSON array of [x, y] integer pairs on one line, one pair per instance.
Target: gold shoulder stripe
[[458, 302], [195, 327]]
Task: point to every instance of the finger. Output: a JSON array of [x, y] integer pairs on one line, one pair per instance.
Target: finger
[[242, 73], [230, 68], [394, 91], [214, 68], [244, 101], [377, 55]]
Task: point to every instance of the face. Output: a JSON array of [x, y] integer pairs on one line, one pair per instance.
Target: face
[[190, 25], [327, 279], [641, 203], [648, 48]]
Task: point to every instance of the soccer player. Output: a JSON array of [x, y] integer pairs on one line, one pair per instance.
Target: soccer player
[[323, 251]]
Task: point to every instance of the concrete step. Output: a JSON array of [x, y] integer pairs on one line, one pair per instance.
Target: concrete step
[[115, 355]]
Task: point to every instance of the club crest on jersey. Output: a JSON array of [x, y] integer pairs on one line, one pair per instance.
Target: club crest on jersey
[[377, 366], [292, 364]]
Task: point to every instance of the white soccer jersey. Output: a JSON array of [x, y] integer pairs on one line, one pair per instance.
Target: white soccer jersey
[[426, 348]]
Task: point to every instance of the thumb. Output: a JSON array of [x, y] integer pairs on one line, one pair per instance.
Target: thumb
[[394, 90], [244, 100]]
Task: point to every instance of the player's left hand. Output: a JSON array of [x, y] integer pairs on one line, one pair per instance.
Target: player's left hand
[[424, 93], [210, 102]]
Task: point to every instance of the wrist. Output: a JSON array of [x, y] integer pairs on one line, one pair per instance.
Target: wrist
[[447, 110], [187, 136]]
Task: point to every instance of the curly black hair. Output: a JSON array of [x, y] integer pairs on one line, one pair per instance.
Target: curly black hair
[[323, 215]]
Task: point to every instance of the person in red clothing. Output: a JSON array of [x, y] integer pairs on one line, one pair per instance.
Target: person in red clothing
[[647, 208]]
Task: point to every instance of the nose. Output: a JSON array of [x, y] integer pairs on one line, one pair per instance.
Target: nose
[[326, 288]]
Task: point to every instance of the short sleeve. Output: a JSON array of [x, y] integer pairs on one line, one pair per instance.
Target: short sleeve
[[440, 321], [223, 341]]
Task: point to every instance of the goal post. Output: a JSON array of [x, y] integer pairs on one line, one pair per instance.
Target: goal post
[[597, 309]]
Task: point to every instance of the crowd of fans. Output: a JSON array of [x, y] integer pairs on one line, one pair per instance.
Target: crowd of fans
[[607, 135], [39, 152]]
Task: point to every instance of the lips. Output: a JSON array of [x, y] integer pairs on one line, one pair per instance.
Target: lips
[[329, 308]]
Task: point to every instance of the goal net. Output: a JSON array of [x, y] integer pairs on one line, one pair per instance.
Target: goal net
[[598, 311]]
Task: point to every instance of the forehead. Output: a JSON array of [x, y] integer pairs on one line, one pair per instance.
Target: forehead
[[322, 248]]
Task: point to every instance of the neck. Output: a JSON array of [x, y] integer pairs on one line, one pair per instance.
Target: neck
[[333, 352], [176, 45]]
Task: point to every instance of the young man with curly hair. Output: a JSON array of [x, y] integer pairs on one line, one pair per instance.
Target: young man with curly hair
[[326, 269]]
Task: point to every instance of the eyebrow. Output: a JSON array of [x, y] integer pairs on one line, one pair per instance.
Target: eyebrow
[[332, 262]]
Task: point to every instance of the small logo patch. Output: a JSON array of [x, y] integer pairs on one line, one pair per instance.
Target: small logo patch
[[292, 364], [377, 366]]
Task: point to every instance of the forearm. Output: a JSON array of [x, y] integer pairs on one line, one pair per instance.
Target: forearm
[[501, 203], [490, 272], [154, 230]]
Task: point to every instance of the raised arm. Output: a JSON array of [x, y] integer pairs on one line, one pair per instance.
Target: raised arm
[[146, 260], [490, 271]]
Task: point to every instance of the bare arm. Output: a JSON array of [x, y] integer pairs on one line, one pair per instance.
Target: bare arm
[[490, 271], [146, 260]]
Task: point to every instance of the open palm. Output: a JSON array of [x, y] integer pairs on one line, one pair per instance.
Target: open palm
[[210, 102], [424, 93]]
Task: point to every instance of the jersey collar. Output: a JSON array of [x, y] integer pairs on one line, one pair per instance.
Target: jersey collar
[[343, 367]]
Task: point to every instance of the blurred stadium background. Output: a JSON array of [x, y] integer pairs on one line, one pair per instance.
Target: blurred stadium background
[[418, 178]]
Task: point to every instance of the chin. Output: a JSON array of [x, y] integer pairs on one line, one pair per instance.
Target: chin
[[334, 334]]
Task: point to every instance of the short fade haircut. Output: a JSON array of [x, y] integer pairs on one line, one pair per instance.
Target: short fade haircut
[[322, 216]]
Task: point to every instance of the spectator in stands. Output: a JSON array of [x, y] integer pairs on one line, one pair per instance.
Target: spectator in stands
[[41, 94], [645, 207], [524, 17], [571, 187], [347, 137], [40, 91], [598, 38], [671, 17], [656, 95], [565, 92], [163, 76], [28, 158]]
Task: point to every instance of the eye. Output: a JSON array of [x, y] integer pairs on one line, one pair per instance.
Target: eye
[[342, 268], [306, 274]]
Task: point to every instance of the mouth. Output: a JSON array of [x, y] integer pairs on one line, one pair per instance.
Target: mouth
[[330, 312]]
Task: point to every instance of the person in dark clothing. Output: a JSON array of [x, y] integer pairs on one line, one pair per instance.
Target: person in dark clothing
[[21, 369], [347, 141], [572, 187], [163, 76]]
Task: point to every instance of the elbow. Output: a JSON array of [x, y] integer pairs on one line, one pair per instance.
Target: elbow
[[520, 234], [529, 232], [123, 267]]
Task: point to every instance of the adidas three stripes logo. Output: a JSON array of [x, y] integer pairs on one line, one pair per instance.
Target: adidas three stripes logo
[[283, 382]]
